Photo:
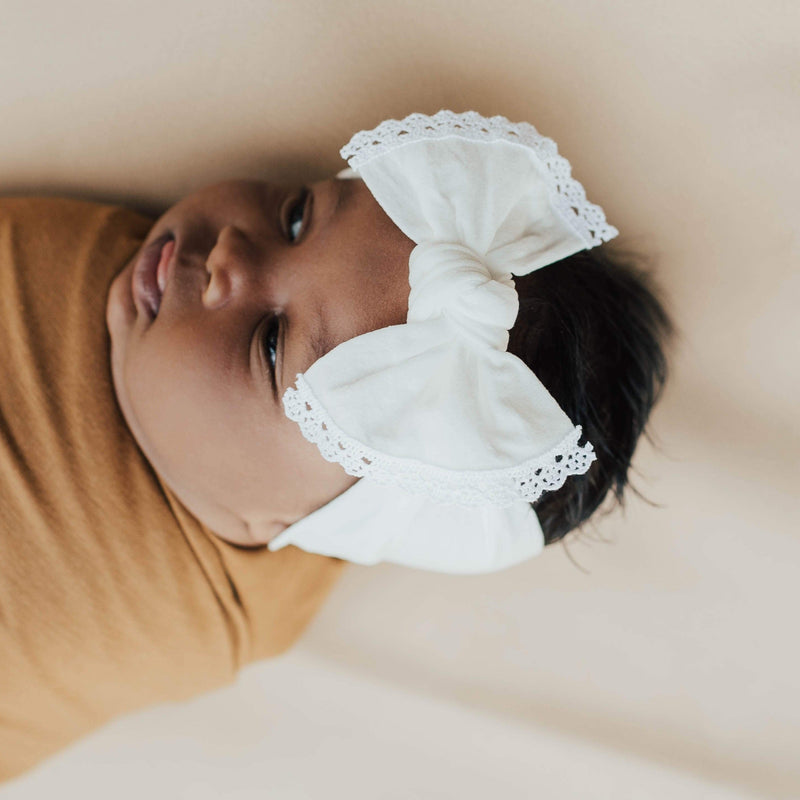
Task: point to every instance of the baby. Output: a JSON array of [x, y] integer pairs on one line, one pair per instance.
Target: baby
[[241, 287], [329, 367]]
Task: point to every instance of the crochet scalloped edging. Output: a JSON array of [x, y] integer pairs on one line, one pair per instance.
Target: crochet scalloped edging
[[569, 196], [498, 487]]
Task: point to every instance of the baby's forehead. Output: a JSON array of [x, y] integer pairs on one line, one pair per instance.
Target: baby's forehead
[[366, 244]]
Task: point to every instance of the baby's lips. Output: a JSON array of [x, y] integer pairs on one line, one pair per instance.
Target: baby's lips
[[162, 271], [144, 282]]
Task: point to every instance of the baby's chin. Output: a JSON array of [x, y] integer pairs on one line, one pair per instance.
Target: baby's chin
[[219, 520], [223, 523], [120, 310]]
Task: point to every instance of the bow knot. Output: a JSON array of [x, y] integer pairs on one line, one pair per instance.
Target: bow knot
[[451, 280]]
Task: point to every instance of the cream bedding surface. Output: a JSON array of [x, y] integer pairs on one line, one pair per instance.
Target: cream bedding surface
[[664, 638]]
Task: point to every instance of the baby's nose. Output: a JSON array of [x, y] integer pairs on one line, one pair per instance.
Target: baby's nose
[[229, 265]]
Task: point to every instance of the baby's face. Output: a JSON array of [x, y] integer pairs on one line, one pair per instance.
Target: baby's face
[[258, 284]]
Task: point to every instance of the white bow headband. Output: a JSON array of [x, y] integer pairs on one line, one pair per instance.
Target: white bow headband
[[453, 437]]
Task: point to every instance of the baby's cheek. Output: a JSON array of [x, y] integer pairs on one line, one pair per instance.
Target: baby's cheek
[[163, 397], [314, 481]]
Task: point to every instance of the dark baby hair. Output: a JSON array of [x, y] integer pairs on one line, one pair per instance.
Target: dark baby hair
[[592, 329]]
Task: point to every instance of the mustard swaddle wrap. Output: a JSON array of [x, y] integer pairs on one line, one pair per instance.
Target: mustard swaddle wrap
[[112, 596]]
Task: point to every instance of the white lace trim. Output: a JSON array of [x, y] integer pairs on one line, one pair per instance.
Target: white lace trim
[[569, 197], [498, 487]]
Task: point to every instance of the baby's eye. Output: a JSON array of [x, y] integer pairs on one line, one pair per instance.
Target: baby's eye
[[296, 216], [270, 343]]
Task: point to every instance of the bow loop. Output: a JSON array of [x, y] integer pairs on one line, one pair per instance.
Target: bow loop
[[451, 280]]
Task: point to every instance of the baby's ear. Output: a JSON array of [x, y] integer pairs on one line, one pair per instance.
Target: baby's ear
[[261, 531]]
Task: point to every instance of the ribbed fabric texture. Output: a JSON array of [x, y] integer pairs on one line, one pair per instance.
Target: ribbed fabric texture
[[112, 595]]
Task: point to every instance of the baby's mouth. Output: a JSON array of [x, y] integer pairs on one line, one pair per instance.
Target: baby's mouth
[[150, 274]]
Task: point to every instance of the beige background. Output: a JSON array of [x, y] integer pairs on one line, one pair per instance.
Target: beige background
[[657, 656]]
